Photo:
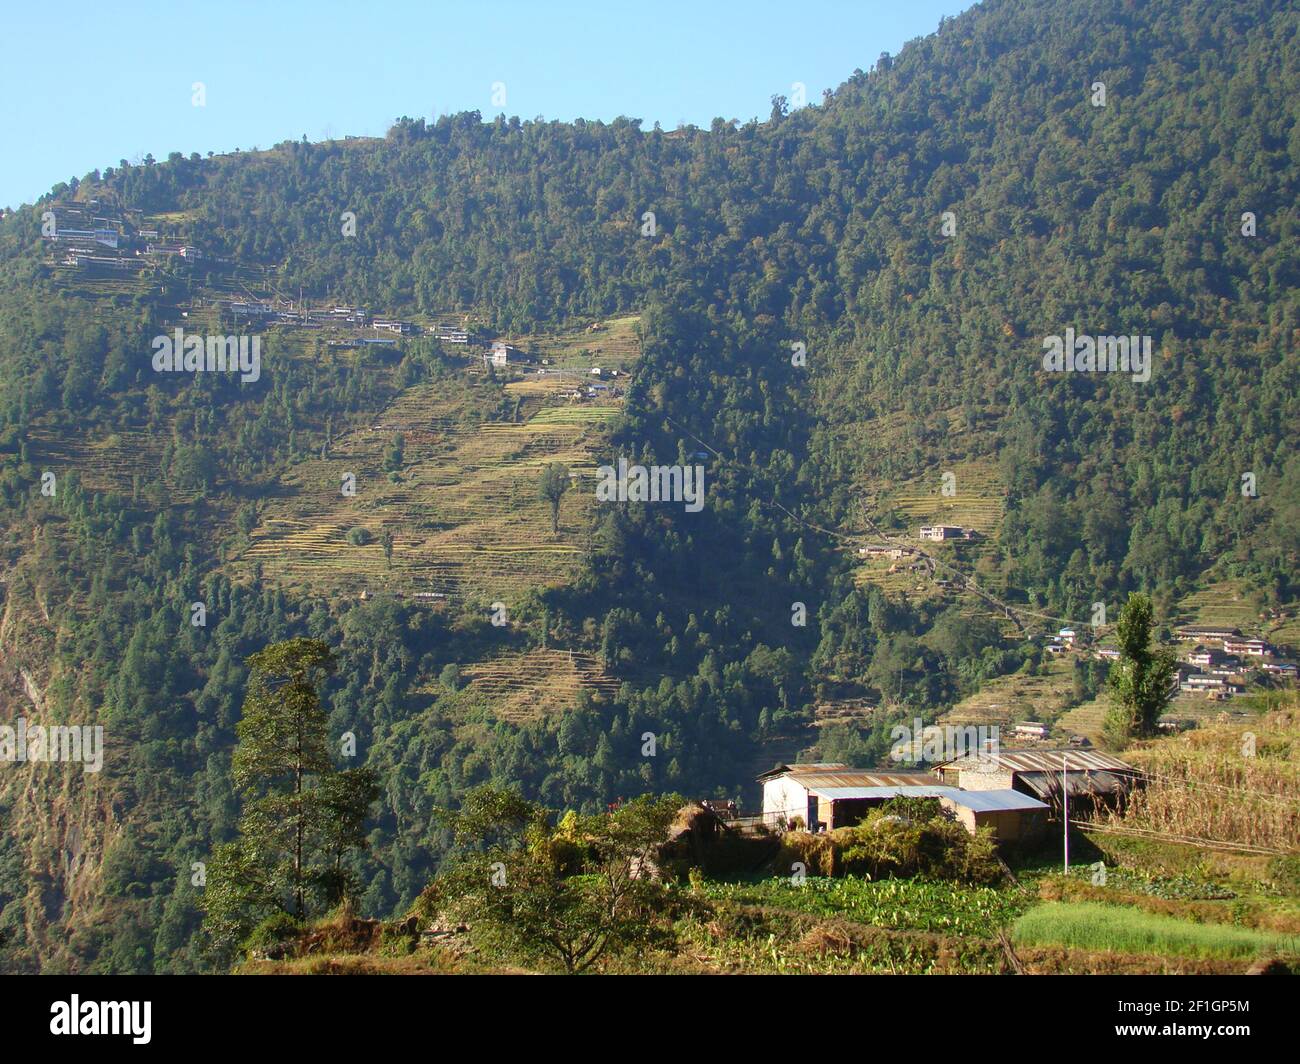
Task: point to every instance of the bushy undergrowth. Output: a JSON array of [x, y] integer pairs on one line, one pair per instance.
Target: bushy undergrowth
[[886, 845]]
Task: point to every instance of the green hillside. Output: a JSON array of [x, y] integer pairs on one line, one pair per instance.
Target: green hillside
[[477, 644]]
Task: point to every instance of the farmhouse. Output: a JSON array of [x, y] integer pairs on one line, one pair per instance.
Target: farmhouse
[[1256, 648], [241, 309], [82, 258], [107, 237], [185, 251], [1037, 773], [1197, 632], [451, 334], [1210, 684], [880, 551], [502, 354], [944, 532], [830, 795]]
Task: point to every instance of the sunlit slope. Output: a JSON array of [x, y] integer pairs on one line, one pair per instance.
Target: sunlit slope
[[454, 481]]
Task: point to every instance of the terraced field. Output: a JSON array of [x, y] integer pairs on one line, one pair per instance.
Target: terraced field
[[610, 344], [462, 507], [522, 687], [1086, 719], [859, 712], [1226, 602], [978, 501], [108, 464], [901, 580], [1006, 700]]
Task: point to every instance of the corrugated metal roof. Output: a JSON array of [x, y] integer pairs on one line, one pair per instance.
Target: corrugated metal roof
[[839, 794], [1048, 784], [1043, 761], [991, 801], [981, 801], [848, 777], [813, 766]]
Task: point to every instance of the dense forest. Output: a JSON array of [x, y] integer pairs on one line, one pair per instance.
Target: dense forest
[[914, 236]]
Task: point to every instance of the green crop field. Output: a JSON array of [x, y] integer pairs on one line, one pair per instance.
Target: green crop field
[[898, 904], [1093, 926]]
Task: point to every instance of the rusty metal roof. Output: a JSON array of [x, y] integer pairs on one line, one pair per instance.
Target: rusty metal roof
[[820, 778], [911, 790], [811, 766], [1047, 785], [1077, 760]]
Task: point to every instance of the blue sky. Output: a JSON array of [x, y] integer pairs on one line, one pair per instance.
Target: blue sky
[[84, 85]]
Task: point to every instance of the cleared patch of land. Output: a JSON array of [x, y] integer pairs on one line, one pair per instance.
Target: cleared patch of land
[[452, 482], [522, 687], [1006, 700]]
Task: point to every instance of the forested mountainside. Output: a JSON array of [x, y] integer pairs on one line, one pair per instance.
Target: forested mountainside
[[840, 313]]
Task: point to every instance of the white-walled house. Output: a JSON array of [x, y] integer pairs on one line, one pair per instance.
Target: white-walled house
[[830, 794]]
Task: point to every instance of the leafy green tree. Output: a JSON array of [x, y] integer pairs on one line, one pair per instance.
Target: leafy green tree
[[554, 483], [571, 894], [344, 800], [1139, 682], [299, 816], [396, 454]]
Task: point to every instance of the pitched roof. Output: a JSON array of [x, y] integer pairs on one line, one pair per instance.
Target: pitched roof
[[823, 779], [1077, 760], [906, 790], [782, 768], [1078, 784]]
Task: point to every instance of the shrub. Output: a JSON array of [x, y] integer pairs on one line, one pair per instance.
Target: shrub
[[1284, 870], [396, 940], [274, 935], [912, 808], [886, 845], [816, 853]]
